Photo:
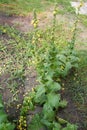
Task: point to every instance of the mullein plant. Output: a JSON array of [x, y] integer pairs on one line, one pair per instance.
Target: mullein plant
[[46, 92], [35, 22], [28, 98], [74, 30], [49, 64], [54, 23]]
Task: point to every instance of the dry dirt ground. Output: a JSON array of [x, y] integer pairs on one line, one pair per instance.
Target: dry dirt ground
[[23, 24]]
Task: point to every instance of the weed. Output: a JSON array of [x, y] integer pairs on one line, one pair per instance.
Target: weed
[[24, 7], [4, 123], [83, 19]]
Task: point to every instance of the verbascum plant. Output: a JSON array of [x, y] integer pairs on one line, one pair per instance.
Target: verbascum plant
[[50, 64]]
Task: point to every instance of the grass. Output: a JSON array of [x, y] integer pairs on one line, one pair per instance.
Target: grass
[[66, 6], [83, 19], [76, 88], [79, 81], [11, 63], [21, 7]]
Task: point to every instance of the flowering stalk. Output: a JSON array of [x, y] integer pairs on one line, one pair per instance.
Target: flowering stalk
[[54, 24], [22, 123], [35, 35], [72, 43]]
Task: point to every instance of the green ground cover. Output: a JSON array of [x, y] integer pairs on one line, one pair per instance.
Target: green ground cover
[[24, 7]]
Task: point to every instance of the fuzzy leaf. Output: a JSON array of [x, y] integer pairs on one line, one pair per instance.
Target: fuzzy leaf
[[48, 112], [40, 94], [53, 86], [63, 103], [3, 116], [35, 123], [61, 57], [1, 105], [70, 127], [7, 126], [67, 68], [46, 123], [53, 100], [56, 126]]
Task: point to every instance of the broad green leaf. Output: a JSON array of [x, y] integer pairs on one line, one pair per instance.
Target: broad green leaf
[[3, 116], [1, 105], [61, 57], [35, 123], [52, 86], [40, 90], [48, 112], [0, 98], [73, 59], [31, 106], [56, 126], [49, 75], [68, 66], [53, 100], [40, 94], [7, 126], [70, 127], [75, 65], [55, 87], [46, 123], [63, 103]]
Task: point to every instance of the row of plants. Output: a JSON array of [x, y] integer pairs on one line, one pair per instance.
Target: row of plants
[[51, 65]]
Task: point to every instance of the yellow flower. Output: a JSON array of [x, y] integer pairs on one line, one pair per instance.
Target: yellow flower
[[63, 89], [32, 22], [28, 101], [37, 21], [74, 78], [81, 4], [33, 41], [4, 30], [35, 25], [32, 89], [62, 84], [21, 117], [24, 121], [62, 67], [38, 35], [73, 29], [18, 106], [25, 125], [54, 12]]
